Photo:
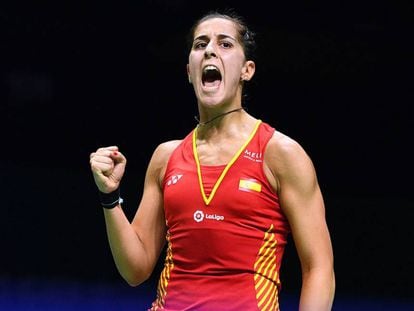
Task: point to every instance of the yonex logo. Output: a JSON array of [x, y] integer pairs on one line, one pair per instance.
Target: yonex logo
[[174, 179], [199, 216]]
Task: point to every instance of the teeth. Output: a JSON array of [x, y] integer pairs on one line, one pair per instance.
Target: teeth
[[211, 74], [210, 67]]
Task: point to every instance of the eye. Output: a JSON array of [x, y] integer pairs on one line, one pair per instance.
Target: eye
[[199, 45], [226, 44]]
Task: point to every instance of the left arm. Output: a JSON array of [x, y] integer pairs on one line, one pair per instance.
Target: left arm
[[302, 202]]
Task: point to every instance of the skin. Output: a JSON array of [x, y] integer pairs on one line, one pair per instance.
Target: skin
[[136, 246]]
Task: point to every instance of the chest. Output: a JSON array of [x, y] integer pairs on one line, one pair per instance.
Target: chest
[[217, 152], [238, 195]]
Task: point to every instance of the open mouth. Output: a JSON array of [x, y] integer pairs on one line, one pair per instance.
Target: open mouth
[[211, 76]]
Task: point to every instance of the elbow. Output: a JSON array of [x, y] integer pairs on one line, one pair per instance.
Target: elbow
[[135, 279], [133, 283], [132, 273]]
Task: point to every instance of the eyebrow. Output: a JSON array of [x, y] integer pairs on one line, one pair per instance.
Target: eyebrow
[[219, 36]]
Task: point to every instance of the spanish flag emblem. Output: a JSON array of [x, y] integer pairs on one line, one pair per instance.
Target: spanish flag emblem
[[250, 185]]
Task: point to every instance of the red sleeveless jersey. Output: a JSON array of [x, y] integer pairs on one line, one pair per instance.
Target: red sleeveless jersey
[[226, 232]]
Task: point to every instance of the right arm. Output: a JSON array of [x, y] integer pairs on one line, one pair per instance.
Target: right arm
[[135, 246]]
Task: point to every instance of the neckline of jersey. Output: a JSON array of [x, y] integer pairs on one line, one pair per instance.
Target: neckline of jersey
[[208, 199]]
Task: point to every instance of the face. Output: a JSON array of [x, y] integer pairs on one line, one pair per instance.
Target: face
[[217, 64]]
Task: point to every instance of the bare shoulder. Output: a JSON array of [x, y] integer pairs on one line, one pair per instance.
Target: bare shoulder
[[168, 147], [159, 160], [285, 156], [164, 150]]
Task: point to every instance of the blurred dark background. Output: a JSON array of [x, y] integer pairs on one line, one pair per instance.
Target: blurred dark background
[[74, 76]]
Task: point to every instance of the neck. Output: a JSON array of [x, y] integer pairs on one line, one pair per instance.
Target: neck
[[217, 117]]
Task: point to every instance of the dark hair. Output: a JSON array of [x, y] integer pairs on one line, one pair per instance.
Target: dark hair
[[245, 35]]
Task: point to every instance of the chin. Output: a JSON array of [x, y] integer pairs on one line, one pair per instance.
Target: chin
[[211, 101]]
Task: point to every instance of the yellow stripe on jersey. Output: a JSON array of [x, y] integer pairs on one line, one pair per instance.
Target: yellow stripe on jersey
[[159, 303], [266, 277]]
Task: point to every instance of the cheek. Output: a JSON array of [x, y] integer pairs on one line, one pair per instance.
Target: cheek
[[234, 66], [192, 67], [234, 71]]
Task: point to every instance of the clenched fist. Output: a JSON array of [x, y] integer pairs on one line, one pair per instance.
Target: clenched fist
[[108, 167]]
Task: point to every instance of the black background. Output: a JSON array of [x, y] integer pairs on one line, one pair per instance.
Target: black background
[[334, 75]]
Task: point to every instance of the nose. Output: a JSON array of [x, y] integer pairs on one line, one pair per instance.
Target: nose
[[209, 51]]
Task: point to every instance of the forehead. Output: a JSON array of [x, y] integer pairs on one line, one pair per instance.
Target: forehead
[[216, 26]]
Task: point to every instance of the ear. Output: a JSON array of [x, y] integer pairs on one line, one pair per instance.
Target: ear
[[248, 70], [188, 74]]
